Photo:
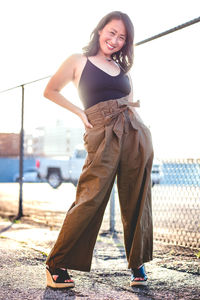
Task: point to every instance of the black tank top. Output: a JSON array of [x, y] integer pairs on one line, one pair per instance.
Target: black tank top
[[95, 85]]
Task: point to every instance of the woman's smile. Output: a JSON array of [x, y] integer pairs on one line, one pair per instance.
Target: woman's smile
[[109, 46]]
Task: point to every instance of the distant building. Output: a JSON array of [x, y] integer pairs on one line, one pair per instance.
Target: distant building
[[55, 141], [9, 144], [61, 141], [34, 142]]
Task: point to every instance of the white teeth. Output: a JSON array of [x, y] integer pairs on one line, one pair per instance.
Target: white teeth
[[109, 46]]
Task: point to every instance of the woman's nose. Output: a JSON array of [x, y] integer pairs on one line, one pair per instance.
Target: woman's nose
[[114, 40]]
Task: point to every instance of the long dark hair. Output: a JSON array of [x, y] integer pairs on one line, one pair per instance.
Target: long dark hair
[[124, 57]]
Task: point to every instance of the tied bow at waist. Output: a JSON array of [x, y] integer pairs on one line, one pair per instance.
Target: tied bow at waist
[[119, 115]]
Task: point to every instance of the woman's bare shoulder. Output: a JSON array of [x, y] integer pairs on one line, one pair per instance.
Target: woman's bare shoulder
[[77, 58], [73, 64], [79, 64]]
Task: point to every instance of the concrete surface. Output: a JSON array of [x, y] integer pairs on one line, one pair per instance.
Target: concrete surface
[[173, 274]]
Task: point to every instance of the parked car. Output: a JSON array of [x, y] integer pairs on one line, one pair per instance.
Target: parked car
[[9, 167], [30, 175], [56, 170], [156, 172]]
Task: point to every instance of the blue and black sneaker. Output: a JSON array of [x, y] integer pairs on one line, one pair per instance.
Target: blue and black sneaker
[[138, 276]]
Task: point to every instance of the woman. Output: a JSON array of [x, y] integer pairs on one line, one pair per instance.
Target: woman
[[117, 142]]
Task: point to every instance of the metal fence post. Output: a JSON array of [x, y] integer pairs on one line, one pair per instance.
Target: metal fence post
[[21, 160]]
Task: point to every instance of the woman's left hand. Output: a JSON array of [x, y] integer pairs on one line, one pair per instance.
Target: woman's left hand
[[84, 118]]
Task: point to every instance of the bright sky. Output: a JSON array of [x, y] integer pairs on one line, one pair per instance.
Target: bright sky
[[36, 36]]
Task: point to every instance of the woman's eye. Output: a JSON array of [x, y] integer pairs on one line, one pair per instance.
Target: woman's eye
[[112, 32]]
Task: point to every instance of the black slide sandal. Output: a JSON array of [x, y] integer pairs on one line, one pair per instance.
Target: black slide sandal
[[60, 280]]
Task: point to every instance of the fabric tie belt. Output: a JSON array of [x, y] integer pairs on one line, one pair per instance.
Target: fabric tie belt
[[118, 110], [120, 116]]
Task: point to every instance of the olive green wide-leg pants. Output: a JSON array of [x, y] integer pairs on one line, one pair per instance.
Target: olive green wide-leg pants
[[118, 144]]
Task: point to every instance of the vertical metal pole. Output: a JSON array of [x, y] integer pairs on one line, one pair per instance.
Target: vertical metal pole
[[112, 210], [21, 159]]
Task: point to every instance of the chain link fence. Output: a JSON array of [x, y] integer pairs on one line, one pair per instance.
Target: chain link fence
[[176, 203]]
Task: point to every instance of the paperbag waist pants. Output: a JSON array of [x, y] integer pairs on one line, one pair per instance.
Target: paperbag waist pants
[[118, 144]]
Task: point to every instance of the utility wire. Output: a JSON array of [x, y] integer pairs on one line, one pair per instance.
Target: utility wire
[[191, 22], [196, 20], [25, 84]]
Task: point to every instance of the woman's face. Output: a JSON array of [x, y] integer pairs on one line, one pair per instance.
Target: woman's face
[[112, 37]]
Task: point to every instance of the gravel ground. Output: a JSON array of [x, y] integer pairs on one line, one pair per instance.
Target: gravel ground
[[173, 274]]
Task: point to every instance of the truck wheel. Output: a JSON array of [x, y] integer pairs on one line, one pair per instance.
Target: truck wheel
[[54, 179], [75, 182]]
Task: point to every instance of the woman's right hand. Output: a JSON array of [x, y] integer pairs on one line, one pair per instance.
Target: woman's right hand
[[84, 118]]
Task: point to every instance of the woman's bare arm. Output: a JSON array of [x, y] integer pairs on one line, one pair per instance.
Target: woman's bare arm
[[130, 98], [61, 78]]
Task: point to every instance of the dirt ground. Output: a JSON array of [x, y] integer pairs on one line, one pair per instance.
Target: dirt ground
[[173, 273]]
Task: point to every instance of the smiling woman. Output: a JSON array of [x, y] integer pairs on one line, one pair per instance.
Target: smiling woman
[[116, 39], [117, 143]]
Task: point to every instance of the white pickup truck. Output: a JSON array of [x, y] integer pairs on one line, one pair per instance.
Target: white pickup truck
[[57, 170]]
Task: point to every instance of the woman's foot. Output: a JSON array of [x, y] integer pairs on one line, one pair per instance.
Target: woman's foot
[[59, 279], [138, 276]]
